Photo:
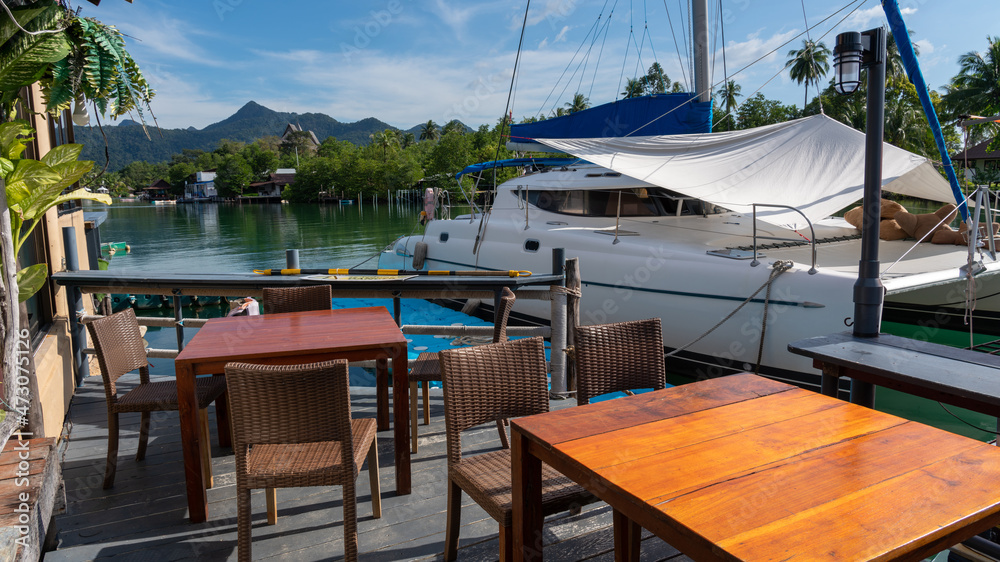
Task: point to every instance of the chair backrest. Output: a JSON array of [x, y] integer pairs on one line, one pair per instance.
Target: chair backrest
[[120, 349], [502, 314], [283, 404], [297, 299], [619, 356], [485, 383]]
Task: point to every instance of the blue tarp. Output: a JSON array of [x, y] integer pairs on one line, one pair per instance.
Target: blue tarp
[[659, 114], [514, 162], [902, 37]]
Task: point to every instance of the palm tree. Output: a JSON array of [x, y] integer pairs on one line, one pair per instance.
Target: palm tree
[[809, 65], [727, 97], [453, 126], [894, 69], [976, 88], [579, 103], [408, 140], [633, 88], [429, 131]]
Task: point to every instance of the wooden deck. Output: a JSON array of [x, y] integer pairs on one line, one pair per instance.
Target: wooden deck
[[144, 517]]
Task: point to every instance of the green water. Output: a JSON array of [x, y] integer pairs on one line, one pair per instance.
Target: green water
[[229, 238]]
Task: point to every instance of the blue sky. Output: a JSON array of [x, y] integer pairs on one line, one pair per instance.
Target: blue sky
[[407, 61]]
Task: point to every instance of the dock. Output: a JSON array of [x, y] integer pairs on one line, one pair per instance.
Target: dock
[[144, 517]]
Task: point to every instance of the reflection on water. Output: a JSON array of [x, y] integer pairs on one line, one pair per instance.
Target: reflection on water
[[230, 238]]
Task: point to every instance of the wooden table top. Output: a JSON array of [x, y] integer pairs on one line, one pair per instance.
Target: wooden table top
[[742, 467], [273, 335]]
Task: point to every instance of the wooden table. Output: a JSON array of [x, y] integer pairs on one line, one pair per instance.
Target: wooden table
[[354, 334], [965, 378], [746, 468]]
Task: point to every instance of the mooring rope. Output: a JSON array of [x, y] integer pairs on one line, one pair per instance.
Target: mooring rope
[[778, 268]]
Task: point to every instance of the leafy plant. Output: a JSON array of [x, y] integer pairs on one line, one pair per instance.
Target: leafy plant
[[74, 57], [35, 186]]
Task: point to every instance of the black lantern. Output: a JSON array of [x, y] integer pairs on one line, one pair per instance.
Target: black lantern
[[847, 55]]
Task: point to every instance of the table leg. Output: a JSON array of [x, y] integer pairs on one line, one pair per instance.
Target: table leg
[[222, 420], [627, 536], [830, 382], [400, 412], [187, 405], [382, 393], [526, 481]]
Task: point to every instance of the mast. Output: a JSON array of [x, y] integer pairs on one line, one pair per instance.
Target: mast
[[699, 23]]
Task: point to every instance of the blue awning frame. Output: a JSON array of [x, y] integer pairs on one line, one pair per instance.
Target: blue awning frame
[[517, 162]]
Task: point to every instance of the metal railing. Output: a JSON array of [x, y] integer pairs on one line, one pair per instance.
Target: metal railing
[[812, 233]]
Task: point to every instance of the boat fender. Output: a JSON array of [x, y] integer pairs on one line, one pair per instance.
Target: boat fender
[[419, 255], [430, 202]]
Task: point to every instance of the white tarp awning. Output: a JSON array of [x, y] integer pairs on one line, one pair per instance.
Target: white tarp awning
[[814, 164]]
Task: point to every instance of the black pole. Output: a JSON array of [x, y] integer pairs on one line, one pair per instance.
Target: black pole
[[78, 335], [868, 290]]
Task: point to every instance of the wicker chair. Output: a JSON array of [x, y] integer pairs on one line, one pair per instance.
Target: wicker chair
[[427, 368], [618, 357], [297, 299], [292, 427], [483, 384], [120, 350]]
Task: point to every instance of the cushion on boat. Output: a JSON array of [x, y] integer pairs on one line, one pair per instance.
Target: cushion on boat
[[922, 226], [889, 229]]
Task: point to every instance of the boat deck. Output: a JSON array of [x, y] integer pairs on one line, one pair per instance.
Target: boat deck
[[144, 517]]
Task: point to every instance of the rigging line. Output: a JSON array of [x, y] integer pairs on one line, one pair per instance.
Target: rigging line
[[722, 31], [607, 27], [715, 44], [689, 45], [628, 45], [812, 58], [651, 47], [556, 84], [762, 57], [503, 124], [680, 59]]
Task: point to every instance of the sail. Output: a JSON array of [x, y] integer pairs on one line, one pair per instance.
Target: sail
[[815, 164], [658, 114]]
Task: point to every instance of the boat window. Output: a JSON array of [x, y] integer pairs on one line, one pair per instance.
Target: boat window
[[532, 245], [634, 202], [443, 237]]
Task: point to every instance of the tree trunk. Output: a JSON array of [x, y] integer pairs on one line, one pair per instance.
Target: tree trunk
[[9, 322]]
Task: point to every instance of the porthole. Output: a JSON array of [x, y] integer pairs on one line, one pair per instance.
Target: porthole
[[443, 237], [531, 245]]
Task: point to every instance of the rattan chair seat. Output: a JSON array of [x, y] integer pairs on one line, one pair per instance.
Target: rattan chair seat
[[307, 464], [426, 368], [486, 478], [163, 395]]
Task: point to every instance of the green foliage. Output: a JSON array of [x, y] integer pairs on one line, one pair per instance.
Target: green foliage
[[25, 58], [179, 173], [35, 186], [975, 90], [262, 162], [579, 103], [758, 111], [809, 65], [233, 176], [429, 131]]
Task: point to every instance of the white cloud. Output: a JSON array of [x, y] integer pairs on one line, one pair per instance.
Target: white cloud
[[165, 38], [562, 34], [552, 11], [543, 44], [181, 104], [924, 46]]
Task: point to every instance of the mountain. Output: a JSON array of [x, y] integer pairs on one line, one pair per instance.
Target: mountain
[[128, 143]]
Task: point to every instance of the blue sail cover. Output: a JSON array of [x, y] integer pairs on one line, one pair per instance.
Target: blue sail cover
[[902, 36], [658, 114], [516, 162]]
